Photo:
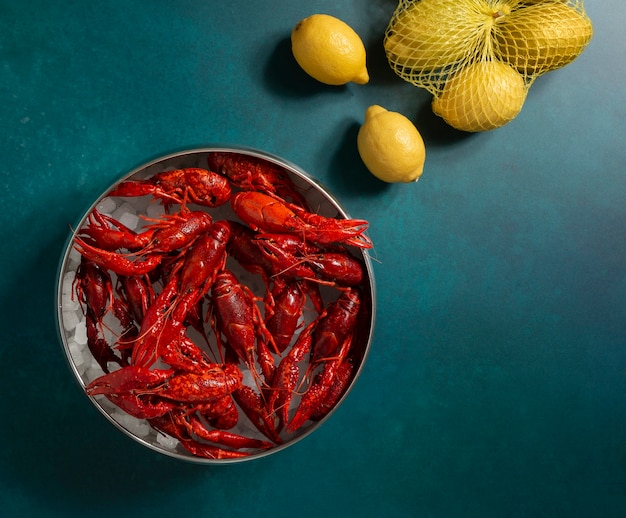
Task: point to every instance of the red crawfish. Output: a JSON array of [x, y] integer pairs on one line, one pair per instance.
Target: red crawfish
[[162, 329], [315, 401], [176, 231], [271, 214], [116, 262], [173, 423], [180, 186], [92, 285], [290, 257], [238, 318], [163, 235], [221, 437], [342, 377], [246, 252], [255, 174], [119, 387], [287, 375], [245, 249], [104, 231], [152, 336], [202, 263], [283, 311], [255, 408], [93, 288], [169, 234], [215, 382], [205, 259], [335, 326], [137, 294]]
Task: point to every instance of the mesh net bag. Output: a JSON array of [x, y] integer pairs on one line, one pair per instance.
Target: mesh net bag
[[477, 48]]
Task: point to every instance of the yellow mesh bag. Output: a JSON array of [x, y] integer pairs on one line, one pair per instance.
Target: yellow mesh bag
[[473, 55]]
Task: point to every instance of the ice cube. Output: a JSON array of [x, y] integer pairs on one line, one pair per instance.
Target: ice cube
[[70, 304], [68, 280], [106, 206], [141, 428], [107, 404], [93, 371], [155, 210], [70, 319], [80, 333], [130, 220], [76, 353], [166, 441], [123, 209], [120, 417], [81, 368], [73, 259], [68, 298], [137, 427]]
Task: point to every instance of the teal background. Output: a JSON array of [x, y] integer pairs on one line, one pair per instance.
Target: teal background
[[495, 385]]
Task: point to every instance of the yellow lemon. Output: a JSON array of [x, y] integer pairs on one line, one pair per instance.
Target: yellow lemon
[[542, 37], [432, 34], [390, 146], [481, 97], [329, 50]]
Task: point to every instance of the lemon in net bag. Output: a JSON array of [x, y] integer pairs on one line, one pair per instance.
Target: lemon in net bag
[[472, 55]]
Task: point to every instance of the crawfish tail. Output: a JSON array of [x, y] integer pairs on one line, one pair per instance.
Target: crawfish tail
[[335, 326], [312, 398], [254, 407], [342, 379]]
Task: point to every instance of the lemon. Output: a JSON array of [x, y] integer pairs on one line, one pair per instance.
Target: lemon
[[432, 34], [481, 97], [329, 50], [542, 37], [390, 146]]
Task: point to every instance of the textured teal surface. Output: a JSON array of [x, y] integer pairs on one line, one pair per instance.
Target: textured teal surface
[[496, 383]]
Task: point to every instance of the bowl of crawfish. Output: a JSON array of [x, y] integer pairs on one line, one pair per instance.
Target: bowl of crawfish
[[216, 305]]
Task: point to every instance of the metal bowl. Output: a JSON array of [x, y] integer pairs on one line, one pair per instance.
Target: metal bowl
[[71, 323]]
